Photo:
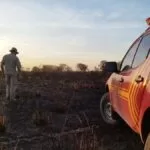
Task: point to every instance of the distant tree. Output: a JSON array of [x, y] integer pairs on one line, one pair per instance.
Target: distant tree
[[49, 68], [25, 69], [102, 65], [64, 67], [68, 69], [36, 69], [82, 67], [28, 69], [96, 68]]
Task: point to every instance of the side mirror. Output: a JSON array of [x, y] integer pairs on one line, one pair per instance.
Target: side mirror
[[111, 67]]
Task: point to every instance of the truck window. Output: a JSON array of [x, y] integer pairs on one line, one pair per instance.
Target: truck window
[[128, 59], [142, 51]]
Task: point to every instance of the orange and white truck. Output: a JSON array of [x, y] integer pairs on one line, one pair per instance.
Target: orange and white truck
[[128, 89]]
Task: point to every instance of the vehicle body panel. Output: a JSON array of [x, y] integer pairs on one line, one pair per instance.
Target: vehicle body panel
[[129, 94], [130, 99]]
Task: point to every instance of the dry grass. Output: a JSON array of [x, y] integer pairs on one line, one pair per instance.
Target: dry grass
[[69, 105]]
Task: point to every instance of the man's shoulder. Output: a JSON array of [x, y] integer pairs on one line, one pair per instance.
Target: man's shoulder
[[6, 55], [10, 56]]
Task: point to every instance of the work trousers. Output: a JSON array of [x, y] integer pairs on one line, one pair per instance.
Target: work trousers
[[11, 86]]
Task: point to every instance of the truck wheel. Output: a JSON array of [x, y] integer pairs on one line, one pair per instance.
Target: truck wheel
[[106, 110], [147, 143]]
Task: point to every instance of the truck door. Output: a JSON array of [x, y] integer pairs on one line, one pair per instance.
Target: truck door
[[133, 83], [120, 101]]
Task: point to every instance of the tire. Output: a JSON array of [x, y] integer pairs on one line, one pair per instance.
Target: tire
[[107, 114], [147, 143]]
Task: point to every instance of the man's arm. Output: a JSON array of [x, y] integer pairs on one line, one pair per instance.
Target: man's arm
[[2, 65], [18, 65]]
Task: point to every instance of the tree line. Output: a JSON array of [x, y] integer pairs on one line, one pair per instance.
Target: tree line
[[61, 68], [65, 68]]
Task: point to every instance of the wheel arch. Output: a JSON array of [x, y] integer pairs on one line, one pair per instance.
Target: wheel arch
[[145, 125], [106, 88]]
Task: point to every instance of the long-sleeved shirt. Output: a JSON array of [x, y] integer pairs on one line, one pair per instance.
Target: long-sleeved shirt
[[11, 64]]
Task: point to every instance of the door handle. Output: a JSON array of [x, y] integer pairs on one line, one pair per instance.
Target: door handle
[[121, 80], [139, 79]]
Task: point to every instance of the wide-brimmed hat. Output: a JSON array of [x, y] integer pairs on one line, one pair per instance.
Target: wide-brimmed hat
[[14, 50]]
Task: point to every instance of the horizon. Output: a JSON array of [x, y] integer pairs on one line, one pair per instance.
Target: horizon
[[69, 31]]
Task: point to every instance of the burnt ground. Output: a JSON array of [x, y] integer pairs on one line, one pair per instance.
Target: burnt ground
[[68, 106]]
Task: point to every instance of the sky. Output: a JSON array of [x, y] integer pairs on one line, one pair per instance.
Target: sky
[[70, 31]]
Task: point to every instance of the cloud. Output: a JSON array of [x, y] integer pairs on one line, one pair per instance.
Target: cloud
[[31, 15], [62, 29], [114, 15]]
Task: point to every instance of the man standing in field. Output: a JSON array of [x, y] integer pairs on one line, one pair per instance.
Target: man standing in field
[[11, 69]]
